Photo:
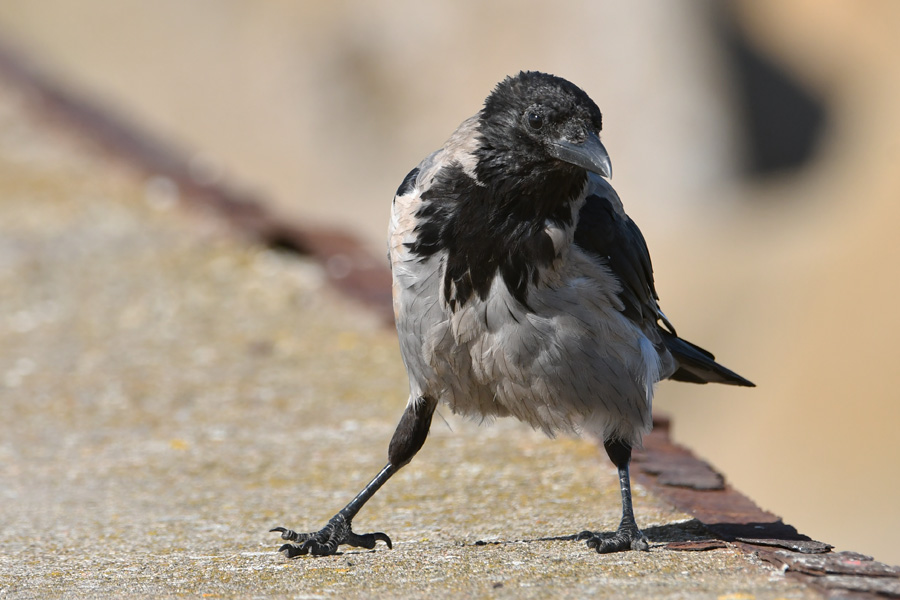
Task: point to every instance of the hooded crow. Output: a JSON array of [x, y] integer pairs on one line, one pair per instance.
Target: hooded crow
[[521, 288]]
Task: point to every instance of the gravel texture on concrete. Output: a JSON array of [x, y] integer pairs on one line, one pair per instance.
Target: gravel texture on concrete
[[169, 392]]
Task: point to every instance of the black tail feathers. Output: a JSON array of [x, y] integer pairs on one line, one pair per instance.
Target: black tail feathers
[[696, 365]]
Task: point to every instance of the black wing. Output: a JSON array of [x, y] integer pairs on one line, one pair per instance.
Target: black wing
[[606, 231]]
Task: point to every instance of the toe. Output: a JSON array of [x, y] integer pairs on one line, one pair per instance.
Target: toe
[[618, 542], [367, 540], [317, 548], [292, 550]]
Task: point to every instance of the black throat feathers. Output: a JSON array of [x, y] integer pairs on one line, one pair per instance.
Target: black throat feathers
[[497, 226]]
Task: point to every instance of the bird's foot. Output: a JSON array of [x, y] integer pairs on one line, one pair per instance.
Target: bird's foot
[[326, 540], [620, 541]]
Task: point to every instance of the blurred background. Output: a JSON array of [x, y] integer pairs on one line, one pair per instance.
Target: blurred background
[[756, 143]]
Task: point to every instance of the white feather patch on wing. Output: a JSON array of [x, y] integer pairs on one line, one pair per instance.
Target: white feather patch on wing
[[650, 374]]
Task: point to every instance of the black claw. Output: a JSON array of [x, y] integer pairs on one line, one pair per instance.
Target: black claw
[[384, 538], [291, 535], [291, 550]]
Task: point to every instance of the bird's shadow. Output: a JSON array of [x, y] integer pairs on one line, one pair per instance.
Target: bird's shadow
[[658, 535]]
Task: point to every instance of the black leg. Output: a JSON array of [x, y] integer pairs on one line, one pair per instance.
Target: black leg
[[406, 442], [628, 536]]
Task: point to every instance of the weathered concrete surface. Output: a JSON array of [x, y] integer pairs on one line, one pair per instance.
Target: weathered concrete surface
[[168, 393]]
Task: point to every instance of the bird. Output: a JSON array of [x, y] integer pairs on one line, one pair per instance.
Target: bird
[[522, 289]]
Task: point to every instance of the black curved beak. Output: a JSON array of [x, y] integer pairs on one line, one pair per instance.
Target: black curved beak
[[589, 154]]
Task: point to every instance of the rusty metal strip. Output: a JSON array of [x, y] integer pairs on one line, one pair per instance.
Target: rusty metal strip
[[675, 474], [838, 574]]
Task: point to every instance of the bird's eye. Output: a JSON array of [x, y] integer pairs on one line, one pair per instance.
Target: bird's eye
[[535, 120]]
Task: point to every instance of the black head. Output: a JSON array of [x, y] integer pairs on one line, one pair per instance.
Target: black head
[[537, 123], [537, 139]]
